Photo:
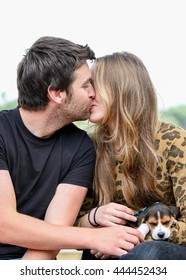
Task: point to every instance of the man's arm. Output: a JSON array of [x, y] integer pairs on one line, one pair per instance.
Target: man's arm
[[62, 210], [23, 230]]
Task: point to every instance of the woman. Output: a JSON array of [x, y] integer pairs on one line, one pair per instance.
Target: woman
[[140, 160]]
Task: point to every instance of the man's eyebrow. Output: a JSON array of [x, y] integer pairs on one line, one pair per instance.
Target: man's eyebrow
[[87, 80]]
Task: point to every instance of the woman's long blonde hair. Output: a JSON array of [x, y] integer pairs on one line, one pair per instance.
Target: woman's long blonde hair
[[130, 126]]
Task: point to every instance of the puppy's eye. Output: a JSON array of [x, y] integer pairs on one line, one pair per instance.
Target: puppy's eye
[[153, 224], [166, 223]]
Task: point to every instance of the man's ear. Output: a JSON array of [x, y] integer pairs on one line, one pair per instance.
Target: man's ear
[[56, 96]]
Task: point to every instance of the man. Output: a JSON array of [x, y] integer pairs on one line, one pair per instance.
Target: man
[[46, 162]]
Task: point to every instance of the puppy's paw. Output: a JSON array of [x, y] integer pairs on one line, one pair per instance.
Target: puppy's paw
[[144, 229], [174, 223]]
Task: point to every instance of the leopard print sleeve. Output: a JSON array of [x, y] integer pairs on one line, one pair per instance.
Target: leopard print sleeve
[[88, 204], [171, 176]]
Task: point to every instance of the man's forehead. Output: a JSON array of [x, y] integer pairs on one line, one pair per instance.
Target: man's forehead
[[83, 72]]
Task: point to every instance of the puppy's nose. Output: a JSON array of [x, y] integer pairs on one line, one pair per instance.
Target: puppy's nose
[[161, 234]]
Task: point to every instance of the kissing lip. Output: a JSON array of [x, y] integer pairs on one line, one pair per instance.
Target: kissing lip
[[92, 105]]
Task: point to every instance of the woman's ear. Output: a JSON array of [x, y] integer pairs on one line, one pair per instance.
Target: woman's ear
[[56, 96]]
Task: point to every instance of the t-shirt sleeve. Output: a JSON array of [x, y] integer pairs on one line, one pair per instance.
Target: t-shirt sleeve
[[3, 162], [82, 165]]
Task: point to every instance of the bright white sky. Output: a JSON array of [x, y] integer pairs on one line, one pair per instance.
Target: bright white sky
[[152, 29]]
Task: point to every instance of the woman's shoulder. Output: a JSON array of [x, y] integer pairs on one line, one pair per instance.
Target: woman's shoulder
[[170, 134], [170, 131]]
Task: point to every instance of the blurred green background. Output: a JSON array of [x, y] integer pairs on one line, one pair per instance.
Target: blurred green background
[[175, 115]]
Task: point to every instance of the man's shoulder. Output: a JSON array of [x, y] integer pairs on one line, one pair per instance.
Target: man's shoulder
[[6, 114], [73, 127], [73, 135], [8, 118], [75, 131]]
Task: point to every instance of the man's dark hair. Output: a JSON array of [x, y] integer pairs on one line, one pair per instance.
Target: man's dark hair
[[51, 61]]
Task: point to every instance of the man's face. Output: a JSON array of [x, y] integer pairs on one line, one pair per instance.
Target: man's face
[[78, 103]]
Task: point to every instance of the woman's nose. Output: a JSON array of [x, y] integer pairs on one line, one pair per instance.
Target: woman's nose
[[92, 92]]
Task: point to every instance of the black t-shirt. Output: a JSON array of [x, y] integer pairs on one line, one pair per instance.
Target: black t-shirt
[[38, 165]]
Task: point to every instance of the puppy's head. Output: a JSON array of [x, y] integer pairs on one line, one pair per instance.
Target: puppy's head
[[159, 217]]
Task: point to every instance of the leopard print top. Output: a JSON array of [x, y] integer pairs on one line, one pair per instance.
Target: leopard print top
[[171, 177]]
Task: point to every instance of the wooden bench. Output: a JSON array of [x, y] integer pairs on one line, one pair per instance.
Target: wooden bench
[[71, 254]]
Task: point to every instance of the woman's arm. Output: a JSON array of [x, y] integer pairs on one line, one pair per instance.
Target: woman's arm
[[110, 214]]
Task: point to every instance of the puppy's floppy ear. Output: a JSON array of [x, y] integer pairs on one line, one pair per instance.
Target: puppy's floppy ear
[[141, 218], [175, 210]]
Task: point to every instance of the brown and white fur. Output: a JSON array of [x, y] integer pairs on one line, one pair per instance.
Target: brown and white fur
[[158, 219]]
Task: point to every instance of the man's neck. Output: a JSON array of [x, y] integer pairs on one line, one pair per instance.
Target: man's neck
[[40, 123]]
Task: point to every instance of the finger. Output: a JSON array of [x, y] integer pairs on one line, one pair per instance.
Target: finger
[[119, 252], [134, 232], [114, 210], [124, 209], [105, 256], [93, 252], [98, 255], [131, 239], [119, 218], [128, 217], [125, 216], [116, 221]]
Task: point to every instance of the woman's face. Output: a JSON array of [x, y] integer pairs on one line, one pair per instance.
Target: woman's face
[[98, 109]]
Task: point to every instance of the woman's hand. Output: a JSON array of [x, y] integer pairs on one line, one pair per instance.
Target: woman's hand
[[113, 214]]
